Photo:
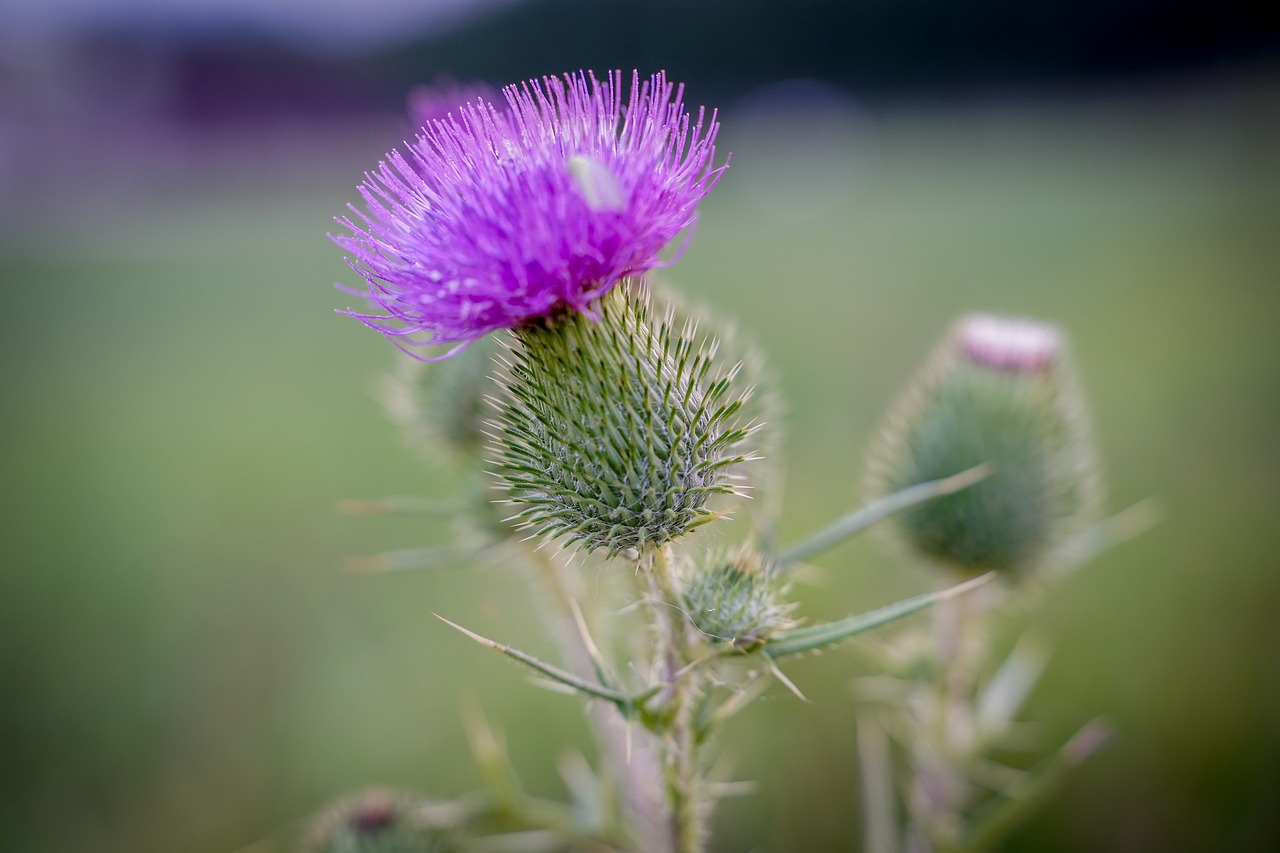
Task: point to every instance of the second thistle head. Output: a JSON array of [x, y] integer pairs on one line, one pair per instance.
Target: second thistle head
[[614, 433], [998, 391]]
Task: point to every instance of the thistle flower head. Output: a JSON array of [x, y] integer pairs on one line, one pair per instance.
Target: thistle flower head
[[495, 217], [999, 391], [614, 434]]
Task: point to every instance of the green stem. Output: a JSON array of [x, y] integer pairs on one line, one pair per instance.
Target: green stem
[[941, 783], [684, 783], [629, 755], [875, 761]]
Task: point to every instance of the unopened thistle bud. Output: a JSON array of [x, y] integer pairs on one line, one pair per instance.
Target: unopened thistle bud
[[999, 391], [375, 822], [440, 406], [614, 432], [737, 600]]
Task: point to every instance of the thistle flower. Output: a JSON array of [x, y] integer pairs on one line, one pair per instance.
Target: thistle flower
[[999, 390], [614, 434], [495, 217]]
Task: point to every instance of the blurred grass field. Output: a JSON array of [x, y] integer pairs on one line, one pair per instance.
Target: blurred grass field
[[188, 667]]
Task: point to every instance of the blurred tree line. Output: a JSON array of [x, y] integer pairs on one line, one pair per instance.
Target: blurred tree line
[[723, 48]]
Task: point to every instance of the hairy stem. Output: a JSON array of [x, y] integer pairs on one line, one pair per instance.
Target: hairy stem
[[875, 762], [630, 757], [684, 783], [938, 791]]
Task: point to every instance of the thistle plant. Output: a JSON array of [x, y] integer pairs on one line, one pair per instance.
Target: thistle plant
[[998, 391], [940, 706], [597, 421]]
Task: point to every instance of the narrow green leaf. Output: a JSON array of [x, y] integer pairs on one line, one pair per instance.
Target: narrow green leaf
[[1112, 531], [589, 644], [860, 519], [1002, 816], [552, 672], [817, 636]]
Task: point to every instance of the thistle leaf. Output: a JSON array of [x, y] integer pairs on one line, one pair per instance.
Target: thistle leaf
[[993, 824], [1004, 694], [860, 519], [553, 673], [1112, 531], [818, 636]]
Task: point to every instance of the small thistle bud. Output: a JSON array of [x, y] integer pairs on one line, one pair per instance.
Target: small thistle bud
[[1001, 391], [440, 406], [738, 600], [374, 822], [613, 433]]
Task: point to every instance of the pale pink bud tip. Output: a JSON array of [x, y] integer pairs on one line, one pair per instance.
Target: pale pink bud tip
[[1009, 343]]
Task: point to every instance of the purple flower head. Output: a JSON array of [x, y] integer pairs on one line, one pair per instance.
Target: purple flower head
[[497, 216]]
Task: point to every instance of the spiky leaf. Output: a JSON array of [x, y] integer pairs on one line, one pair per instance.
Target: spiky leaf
[[814, 637]]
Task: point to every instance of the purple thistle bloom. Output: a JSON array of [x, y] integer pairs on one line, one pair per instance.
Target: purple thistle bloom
[[501, 215]]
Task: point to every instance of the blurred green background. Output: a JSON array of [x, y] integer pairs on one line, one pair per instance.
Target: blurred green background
[[187, 666]]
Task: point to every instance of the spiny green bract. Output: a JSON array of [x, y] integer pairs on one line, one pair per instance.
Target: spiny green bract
[[765, 407], [1030, 426], [736, 600], [614, 433]]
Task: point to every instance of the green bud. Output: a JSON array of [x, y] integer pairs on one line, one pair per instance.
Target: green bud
[[737, 600], [613, 433], [764, 407], [441, 408], [374, 822], [440, 405], [998, 391]]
